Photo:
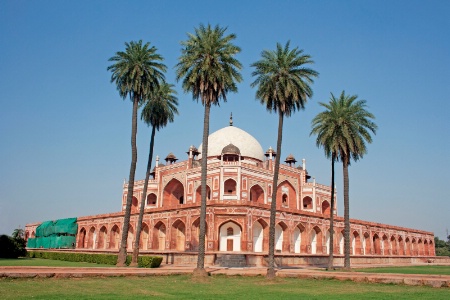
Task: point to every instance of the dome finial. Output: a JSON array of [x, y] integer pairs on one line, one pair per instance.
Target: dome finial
[[231, 119]]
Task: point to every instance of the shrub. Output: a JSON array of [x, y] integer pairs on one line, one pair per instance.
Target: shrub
[[12, 247], [106, 259]]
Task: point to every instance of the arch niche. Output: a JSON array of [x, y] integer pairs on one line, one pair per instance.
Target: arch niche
[[114, 237], [299, 240], [81, 237], [316, 240], [198, 194], [260, 236], [401, 246], [134, 205], [326, 208], [195, 234], [151, 199], [376, 244], [286, 195], [366, 244], [159, 236], [130, 237], [257, 194], [102, 234], [92, 238], [307, 203], [356, 243], [178, 235], [230, 237], [280, 229], [173, 194], [143, 238], [229, 187]]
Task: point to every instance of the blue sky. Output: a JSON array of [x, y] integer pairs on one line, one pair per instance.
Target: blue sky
[[65, 131]]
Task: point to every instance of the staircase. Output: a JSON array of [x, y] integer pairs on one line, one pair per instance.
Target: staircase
[[231, 260]]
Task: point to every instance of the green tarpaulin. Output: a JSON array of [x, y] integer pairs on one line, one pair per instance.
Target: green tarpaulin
[[55, 234]]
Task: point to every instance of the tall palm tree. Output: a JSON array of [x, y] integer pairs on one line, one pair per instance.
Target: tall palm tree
[[283, 84], [209, 70], [136, 72], [344, 129], [323, 125], [160, 109]]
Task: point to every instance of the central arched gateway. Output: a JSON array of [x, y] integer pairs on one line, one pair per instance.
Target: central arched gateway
[[230, 237]]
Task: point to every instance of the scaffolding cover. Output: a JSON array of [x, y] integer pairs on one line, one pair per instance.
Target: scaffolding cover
[[55, 234]]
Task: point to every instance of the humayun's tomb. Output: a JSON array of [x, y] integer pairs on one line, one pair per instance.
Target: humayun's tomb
[[239, 189]]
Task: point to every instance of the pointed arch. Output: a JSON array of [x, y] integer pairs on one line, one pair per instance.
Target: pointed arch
[[92, 236], [316, 240], [299, 239], [114, 237], [257, 194], [376, 244], [159, 236], [178, 235], [229, 187], [130, 238], [393, 245], [326, 208], [307, 203], [102, 236], [408, 246], [195, 234], [366, 243], [227, 241], [401, 246], [260, 236], [173, 193], [198, 194], [356, 244], [134, 205], [143, 238], [151, 199], [286, 195], [81, 237], [280, 241]]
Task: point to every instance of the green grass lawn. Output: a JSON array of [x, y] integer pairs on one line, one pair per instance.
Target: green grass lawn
[[430, 270], [39, 262], [214, 287]]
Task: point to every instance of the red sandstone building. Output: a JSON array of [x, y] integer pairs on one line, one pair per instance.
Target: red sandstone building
[[239, 189]]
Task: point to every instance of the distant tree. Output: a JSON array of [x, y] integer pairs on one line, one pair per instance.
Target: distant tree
[[442, 248], [283, 86], [13, 246], [350, 125], [209, 70], [160, 109], [137, 72], [18, 233]]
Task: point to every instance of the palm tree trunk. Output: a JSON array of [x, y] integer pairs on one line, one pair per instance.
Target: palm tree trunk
[[346, 216], [122, 257], [273, 207], [134, 259], [200, 270], [330, 257]]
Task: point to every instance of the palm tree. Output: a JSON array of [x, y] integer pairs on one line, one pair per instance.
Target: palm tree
[[160, 109], [344, 129], [324, 127], [136, 72], [210, 70], [283, 87]]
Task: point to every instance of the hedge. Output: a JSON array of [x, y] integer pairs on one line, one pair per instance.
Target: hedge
[[144, 261]]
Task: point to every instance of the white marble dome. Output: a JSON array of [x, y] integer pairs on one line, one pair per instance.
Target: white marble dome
[[246, 143]]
